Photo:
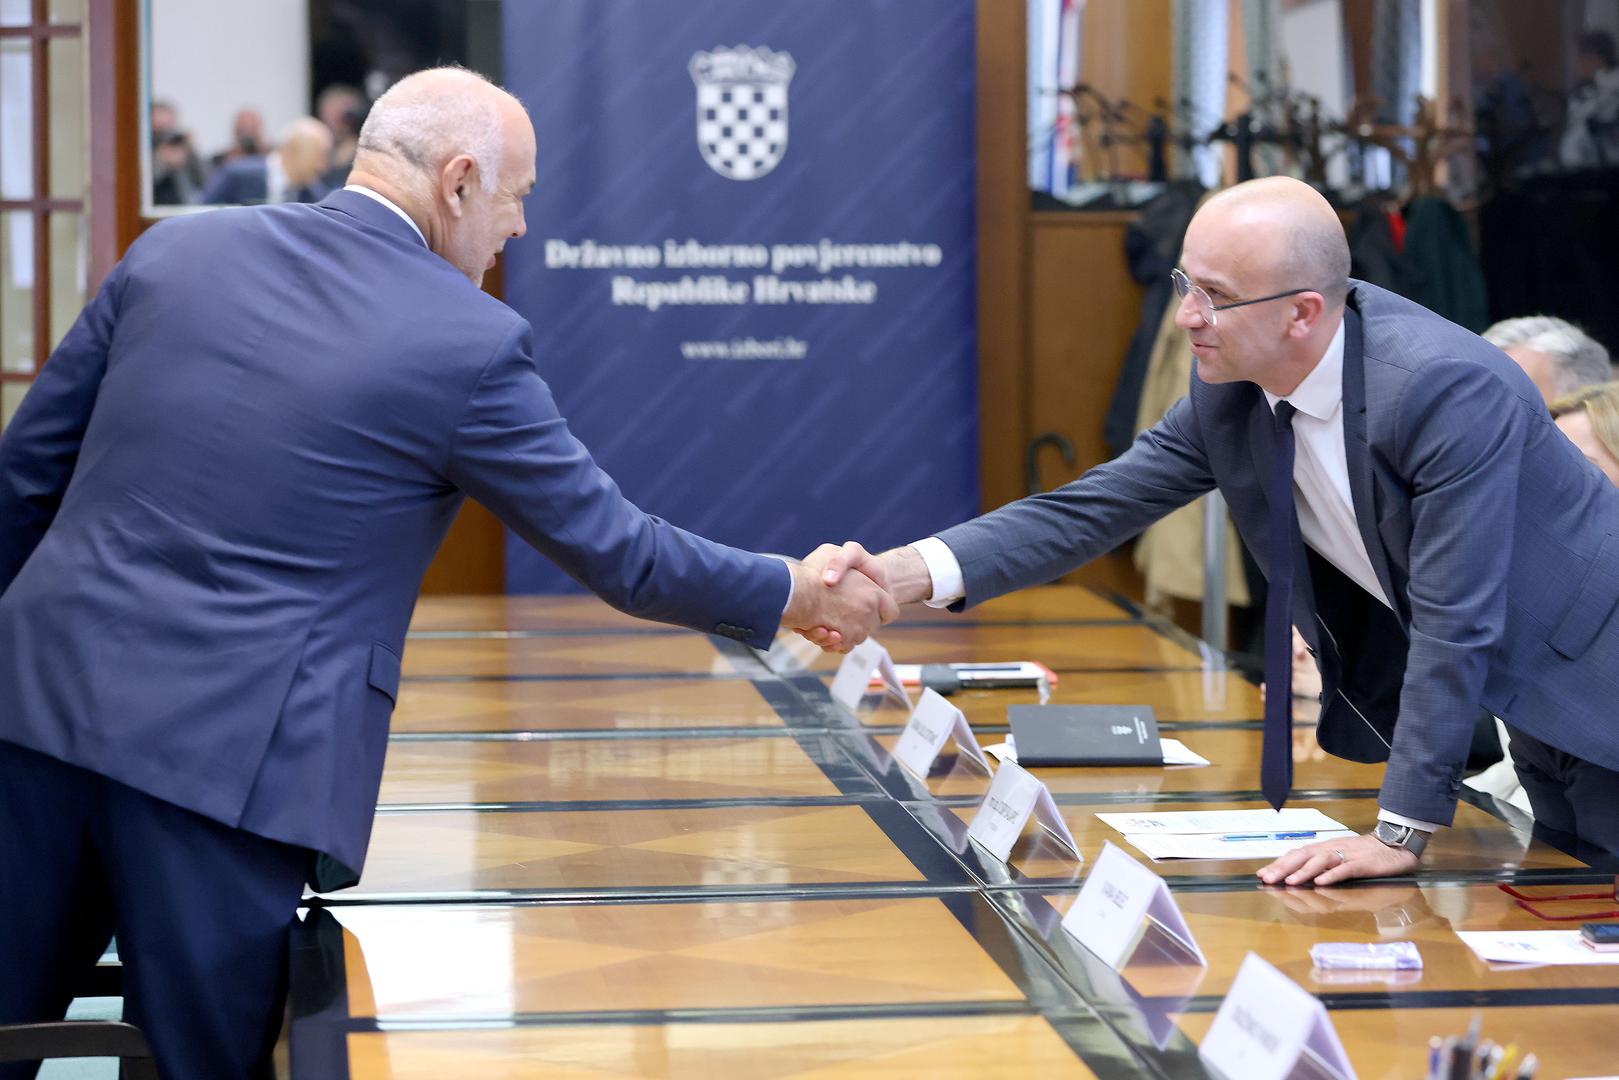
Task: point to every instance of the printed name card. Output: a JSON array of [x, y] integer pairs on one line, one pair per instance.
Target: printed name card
[[931, 726], [1119, 903], [1013, 796], [1267, 1026], [791, 653], [849, 684]]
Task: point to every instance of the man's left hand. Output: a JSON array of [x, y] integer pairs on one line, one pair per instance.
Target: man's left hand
[[1328, 862]]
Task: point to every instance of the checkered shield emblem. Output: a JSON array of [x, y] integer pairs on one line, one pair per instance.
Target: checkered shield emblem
[[742, 109]]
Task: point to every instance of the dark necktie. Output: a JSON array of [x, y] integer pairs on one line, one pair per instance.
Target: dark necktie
[[1276, 756]]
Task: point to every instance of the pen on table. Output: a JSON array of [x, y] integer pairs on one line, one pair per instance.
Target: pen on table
[[1270, 836], [1461, 1065]]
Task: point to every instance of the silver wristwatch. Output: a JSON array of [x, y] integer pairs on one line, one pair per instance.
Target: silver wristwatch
[[1401, 836]]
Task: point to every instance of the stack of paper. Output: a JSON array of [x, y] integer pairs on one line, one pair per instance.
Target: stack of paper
[[1225, 834], [1533, 947], [1175, 752]]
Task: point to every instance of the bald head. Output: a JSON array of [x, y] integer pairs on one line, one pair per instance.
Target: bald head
[[1271, 267], [456, 153], [430, 117], [1293, 235]]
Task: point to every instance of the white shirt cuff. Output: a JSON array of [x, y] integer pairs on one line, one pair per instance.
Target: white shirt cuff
[[944, 569], [1411, 822], [792, 585]]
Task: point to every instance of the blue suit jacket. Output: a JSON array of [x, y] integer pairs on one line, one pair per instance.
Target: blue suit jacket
[[246, 181], [221, 493], [1494, 538]]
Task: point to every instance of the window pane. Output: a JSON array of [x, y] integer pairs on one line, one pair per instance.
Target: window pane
[[69, 261], [68, 112], [10, 397], [67, 11], [15, 12], [16, 291], [16, 119]]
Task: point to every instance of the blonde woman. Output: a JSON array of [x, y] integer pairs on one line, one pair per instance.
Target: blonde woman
[[1590, 419]]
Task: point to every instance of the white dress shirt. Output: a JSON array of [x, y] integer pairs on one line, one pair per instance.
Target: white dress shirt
[[1321, 470], [1320, 490], [390, 204], [275, 178]]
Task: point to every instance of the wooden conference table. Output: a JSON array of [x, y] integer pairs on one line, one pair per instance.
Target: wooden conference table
[[611, 849]]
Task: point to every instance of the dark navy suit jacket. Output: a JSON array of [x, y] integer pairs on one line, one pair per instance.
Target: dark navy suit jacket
[[220, 495], [246, 180], [1495, 540]]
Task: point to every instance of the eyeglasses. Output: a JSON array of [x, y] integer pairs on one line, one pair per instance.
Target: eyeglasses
[[1206, 307]]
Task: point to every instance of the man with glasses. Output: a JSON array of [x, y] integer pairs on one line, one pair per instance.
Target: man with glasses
[[1438, 542]]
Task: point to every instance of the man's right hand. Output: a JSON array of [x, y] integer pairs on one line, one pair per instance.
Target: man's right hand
[[846, 610], [900, 571]]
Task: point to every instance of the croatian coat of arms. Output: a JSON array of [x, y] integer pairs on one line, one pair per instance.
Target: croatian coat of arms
[[742, 109]]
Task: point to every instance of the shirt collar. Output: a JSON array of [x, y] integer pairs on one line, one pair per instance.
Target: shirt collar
[[1322, 391], [390, 204]]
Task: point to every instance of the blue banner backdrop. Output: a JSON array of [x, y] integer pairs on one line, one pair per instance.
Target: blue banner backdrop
[[750, 260]]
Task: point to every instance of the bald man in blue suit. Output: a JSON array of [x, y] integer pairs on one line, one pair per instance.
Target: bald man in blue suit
[[1436, 539], [219, 499]]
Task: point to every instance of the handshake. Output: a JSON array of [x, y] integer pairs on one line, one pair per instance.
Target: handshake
[[843, 593]]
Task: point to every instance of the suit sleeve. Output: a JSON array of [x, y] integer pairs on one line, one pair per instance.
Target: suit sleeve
[[513, 452], [40, 447], [1040, 538], [1464, 484]]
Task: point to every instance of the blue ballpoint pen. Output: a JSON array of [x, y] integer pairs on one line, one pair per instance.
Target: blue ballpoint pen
[[1271, 836]]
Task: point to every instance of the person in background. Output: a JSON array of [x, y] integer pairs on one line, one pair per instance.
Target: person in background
[[1591, 132], [1558, 356], [247, 138], [1590, 419], [289, 173], [176, 171], [342, 109]]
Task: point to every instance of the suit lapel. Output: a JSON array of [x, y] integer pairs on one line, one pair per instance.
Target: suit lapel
[[1357, 453]]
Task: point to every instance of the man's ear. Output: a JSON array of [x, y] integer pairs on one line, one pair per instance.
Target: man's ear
[[1307, 310], [455, 182]]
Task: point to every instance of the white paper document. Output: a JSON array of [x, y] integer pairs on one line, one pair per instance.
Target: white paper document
[[1178, 753], [1175, 752], [1533, 947], [1217, 846], [1296, 819]]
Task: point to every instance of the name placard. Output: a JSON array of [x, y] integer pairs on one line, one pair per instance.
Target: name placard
[[1122, 901], [932, 725], [791, 653], [849, 684], [1267, 1026], [1013, 795]]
